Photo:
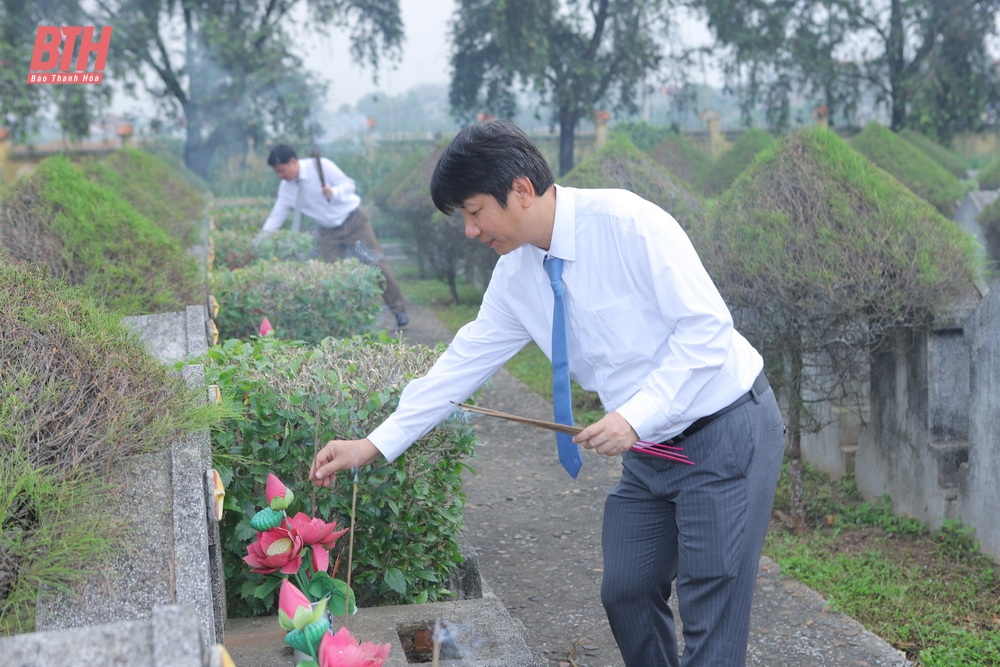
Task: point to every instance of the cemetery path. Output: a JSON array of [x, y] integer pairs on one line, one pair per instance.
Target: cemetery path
[[537, 534]]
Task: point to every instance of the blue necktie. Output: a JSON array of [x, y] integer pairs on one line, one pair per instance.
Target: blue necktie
[[562, 402]]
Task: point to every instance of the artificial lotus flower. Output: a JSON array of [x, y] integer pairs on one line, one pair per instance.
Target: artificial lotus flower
[[295, 611], [315, 531], [343, 650], [275, 549], [265, 327], [278, 496]]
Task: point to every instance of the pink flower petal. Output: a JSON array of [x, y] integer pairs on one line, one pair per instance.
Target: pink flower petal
[[291, 598], [265, 327], [275, 488]]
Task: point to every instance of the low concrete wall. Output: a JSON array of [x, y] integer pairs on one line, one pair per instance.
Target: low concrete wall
[[933, 442]]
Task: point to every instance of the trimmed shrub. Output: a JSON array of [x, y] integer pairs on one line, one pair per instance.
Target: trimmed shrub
[[88, 236], [682, 159], [950, 160], [79, 396], [731, 164], [911, 166], [303, 300], [297, 398], [235, 250], [154, 189], [619, 164]]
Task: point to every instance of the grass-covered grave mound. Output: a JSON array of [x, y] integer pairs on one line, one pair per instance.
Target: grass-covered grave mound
[[989, 176], [815, 243], [683, 159], [989, 218], [155, 189], [734, 160], [79, 396], [306, 301], [911, 166], [950, 160], [619, 164], [89, 236], [297, 398]]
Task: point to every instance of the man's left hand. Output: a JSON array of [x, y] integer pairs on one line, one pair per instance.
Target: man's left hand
[[327, 191], [610, 436]]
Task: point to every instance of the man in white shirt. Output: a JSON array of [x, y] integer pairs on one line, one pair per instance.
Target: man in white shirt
[[344, 228], [647, 330]]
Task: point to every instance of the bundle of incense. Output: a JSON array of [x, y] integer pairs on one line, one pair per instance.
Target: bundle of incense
[[669, 452]]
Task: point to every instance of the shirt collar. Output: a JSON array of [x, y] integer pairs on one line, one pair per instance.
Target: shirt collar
[[563, 243]]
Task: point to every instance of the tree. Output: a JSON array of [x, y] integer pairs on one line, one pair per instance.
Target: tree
[[928, 54], [21, 105], [574, 54], [820, 255], [231, 73]]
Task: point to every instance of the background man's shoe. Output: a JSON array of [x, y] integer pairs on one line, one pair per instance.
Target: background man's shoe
[[402, 319]]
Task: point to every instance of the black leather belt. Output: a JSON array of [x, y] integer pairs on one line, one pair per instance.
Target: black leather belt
[[760, 385]]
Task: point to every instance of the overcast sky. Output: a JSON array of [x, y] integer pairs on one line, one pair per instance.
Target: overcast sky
[[424, 59]]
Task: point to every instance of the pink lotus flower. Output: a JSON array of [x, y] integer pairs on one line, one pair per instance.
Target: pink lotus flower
[[278, 495], [265, 327], [275, 549], [295, 611], [343, 650], [315, 531]]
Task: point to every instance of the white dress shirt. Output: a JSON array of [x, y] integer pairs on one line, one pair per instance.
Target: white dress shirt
[[330, 213], [646, 327]]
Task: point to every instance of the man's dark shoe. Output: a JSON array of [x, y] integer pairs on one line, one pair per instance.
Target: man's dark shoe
[[402, 319]]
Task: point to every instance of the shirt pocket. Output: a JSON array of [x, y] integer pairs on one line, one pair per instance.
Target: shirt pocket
[[617, 332]]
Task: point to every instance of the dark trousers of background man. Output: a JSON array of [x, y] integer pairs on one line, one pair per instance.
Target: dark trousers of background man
[[343, 242]]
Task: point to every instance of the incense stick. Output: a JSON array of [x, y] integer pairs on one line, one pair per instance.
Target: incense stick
[[663, 451]]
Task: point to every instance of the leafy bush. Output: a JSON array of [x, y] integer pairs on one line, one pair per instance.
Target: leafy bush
[[154, 189], [728, 166], [451, 255], [619, 164], [88, 236], [303, 300], [950, 160], [911, 166], [235, 250], [79, 395], [296, 398], [411, 202]]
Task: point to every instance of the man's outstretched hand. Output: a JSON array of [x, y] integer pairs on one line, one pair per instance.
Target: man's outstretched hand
[[340, 455]]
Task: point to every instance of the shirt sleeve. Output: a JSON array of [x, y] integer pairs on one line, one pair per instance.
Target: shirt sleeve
[[478, 350], [663, 258], [341, 184], [283, 205]]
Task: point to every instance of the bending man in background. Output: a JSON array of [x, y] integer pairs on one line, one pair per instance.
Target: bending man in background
[[344, 227]]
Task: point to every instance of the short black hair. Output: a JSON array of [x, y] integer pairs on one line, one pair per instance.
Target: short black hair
[[281, 154], [485, 158]]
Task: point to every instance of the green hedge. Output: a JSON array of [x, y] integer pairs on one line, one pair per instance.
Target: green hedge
[[302, 300], [989, 218], [89, 236], [989, 176], [235, 250], [683, 159], [295, 398], [911, 166]]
